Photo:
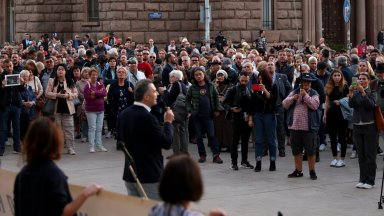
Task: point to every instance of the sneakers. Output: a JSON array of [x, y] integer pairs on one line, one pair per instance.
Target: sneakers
[[109, 134], [333, 163], [101, 149], [217, 159], [353, 155], [71, 151], [366, 186], [246, 165], [258, 166], [296, 174], [91, 150], [234, 167], [202, 159], [340, 163], [359, 185], [84, 139], [312, 175], [281, 153], [322, 147]]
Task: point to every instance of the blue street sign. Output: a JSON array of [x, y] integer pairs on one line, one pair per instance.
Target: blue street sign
[[347, 10], [154, 15]]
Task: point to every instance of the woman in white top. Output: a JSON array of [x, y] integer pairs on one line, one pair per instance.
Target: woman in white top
[[34, 80]]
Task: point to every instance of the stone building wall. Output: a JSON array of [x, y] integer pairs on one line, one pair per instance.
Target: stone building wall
[[237, 19]]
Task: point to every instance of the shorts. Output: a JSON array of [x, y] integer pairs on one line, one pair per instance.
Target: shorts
[[303, 140]]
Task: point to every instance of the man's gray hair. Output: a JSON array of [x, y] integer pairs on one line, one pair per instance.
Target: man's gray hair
[[342, 61], [177, 73]]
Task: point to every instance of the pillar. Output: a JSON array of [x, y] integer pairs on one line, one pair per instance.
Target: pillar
[[319, 22], [360, 21]]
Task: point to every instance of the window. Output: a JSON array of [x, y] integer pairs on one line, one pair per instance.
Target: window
[[93, 10], [267, 18]]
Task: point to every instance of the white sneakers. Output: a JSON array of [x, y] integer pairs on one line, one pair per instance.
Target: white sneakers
[[71, 151], [337, 163], [333, 163], [91, 150], [322, 147], [109, 135], [98, 149], [353, 155], [364, 185]]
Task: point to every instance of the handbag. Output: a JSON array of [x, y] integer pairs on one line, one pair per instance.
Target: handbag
[[49, 107], [40, 102], [179, 107], [379, 118]]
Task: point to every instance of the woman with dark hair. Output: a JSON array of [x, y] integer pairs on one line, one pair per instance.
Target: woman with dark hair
[[202, 101], [223, 126], [180, 184], [63, 90], [264, 119], [110, 73], [336, 89], [41, 187], [363, 99]]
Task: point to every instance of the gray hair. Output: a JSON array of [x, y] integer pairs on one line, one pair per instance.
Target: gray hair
[[81, 52], [354, 59], [342, 61], [311, 59], [177, 73], [24, 72], [305, 66]]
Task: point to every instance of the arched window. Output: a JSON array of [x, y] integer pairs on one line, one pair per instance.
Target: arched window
[[93, 10], [267, 18]]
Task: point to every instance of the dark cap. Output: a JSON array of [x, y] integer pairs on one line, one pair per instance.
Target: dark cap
[[216, 62], [307, 77]]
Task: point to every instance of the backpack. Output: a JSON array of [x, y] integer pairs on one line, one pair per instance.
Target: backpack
[[179, 107]]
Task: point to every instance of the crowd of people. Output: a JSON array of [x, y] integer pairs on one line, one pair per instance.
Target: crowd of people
[[275, 94]]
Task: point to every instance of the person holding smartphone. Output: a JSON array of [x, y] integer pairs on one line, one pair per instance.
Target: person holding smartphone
[[63, 89], [363, 100], [263, 108]]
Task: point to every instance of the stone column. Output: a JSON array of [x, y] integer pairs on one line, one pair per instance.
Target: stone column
[[305, 21], [3, 21], [319, 22], [360, 21]]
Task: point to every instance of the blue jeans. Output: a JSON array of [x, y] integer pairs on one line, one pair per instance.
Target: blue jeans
[[205, 125], [95, 126], [265, 127], [12, 113]]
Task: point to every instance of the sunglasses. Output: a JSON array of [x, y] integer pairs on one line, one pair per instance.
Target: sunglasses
[[152, 57]]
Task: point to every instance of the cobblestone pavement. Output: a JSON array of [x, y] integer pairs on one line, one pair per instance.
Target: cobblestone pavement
[[242, 192]]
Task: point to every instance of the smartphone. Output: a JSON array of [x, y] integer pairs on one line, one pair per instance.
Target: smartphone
[[63, 91], [354, 81], [256, 87]]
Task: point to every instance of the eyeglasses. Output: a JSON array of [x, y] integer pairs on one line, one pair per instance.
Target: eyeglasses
[[152, 57]]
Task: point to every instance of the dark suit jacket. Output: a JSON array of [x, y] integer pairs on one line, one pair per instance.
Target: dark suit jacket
[[144, 138], [283, 90]]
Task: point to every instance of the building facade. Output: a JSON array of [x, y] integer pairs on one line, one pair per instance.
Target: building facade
[[288, 20]]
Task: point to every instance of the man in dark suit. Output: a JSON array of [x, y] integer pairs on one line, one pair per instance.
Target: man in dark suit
[[283, 88], [144, 138]]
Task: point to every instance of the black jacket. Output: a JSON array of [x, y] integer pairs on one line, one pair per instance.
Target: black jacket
[[283, 90], [114, 95], [144, 138], [9, 95], [286, 69]]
